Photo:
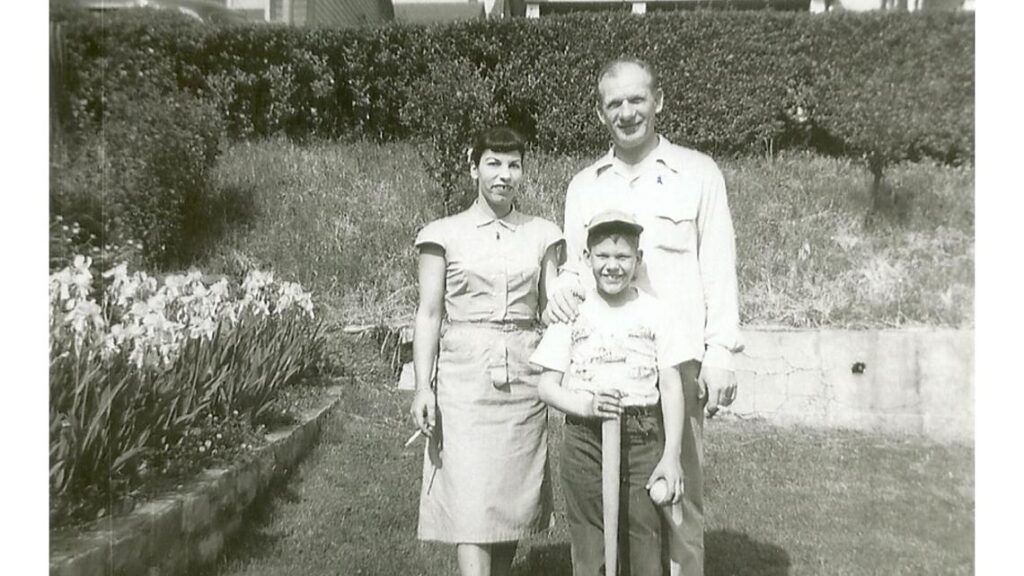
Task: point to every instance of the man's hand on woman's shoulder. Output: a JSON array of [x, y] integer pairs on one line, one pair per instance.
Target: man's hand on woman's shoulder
[[564, 301]]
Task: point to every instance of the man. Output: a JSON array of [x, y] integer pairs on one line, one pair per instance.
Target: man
[[678, 196]]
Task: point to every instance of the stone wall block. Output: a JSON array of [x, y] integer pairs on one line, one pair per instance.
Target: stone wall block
[[177, 534], [247, 483], [264, 462], [849, 367], [946, 366], [85, 556], [197, 514], [905, 381], [209, 547], [127, 543]]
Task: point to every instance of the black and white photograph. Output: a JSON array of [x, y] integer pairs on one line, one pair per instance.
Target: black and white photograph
[[514, 288]]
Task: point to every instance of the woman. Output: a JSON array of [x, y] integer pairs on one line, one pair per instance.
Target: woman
[[486, 270]]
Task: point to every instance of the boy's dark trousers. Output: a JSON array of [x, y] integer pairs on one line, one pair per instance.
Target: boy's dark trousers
[[640, 543]]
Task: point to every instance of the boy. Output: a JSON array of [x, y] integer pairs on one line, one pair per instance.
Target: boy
[[618, 360]]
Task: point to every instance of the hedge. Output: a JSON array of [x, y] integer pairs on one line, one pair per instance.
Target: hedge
[[905, 96], [736, 82], [134, 156], [881, 87]]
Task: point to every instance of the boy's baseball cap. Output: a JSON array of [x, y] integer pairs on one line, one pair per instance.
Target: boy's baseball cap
[[617, 217]]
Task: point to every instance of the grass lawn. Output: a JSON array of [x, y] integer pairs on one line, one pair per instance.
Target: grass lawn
[[341, 218], [780, 501]]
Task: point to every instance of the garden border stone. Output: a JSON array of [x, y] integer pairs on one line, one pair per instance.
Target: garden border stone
[[181, 531]]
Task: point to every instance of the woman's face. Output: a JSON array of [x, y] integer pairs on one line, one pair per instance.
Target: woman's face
[[498, 177]]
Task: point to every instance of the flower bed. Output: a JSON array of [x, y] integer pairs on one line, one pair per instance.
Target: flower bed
[[152, 380]]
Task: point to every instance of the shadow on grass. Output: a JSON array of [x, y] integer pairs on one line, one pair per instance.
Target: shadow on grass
[[550, 560], [728, 553]]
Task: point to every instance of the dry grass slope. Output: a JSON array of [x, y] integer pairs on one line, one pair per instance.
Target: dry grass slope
[[340, 218]]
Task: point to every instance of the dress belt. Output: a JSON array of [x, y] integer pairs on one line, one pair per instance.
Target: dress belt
[[497, 360], [511, 325]]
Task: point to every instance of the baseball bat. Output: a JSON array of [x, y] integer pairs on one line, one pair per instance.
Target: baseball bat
[[611, 437]]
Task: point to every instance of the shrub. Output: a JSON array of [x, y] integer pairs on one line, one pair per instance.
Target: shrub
[[737, 82], [455, 101], [135, 364], [143, 176], [907, 95], [877, 87], [134, 158], [164, 155]]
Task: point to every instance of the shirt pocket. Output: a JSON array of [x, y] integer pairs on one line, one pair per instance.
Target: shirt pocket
[[458, 345], [672, 226], [526, 372]]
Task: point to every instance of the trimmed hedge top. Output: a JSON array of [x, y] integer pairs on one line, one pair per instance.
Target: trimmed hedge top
[[899, 85]]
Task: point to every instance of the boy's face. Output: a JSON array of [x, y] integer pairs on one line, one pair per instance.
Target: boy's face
[[613, 260]]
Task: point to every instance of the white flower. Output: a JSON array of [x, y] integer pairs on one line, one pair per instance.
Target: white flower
[[291, 294], [84, 315], [205, 328], [256, 281], [82, 277], [60, 286], [176, 285]]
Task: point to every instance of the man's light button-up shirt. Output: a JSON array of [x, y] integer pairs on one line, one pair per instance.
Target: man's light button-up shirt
[[689, 255]]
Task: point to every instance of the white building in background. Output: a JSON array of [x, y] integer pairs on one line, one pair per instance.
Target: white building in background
[[348, 13], [340, 13], [432, 11], [251, 7], [904, 5]]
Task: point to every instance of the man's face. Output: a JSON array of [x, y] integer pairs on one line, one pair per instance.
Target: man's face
[[613, 260], [628, 106]]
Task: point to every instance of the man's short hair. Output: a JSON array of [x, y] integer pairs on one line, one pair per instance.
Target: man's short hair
[[613, 65]]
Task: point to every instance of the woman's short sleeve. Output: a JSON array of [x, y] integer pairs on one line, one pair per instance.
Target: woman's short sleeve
[[432, 233], [550, 234]]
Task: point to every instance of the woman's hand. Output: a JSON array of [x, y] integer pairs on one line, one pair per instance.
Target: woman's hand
[[671, 471], [422, 410], [605, 404]]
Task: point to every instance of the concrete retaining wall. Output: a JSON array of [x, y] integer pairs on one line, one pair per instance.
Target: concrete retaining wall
[[177, 534], [908, 381]]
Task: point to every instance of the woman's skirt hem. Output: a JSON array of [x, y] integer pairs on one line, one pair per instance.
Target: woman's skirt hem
[[478, 539]]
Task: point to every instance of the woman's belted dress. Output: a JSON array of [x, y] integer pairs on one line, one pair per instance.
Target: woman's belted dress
[[485, 471]]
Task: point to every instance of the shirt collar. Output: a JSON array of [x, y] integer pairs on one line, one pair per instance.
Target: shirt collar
[[662, 154], [481, 218]]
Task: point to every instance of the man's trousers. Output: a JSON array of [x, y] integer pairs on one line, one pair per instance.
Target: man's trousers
[[684, 526]]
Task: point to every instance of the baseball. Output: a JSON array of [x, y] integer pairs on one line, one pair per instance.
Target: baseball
[[659, 492]]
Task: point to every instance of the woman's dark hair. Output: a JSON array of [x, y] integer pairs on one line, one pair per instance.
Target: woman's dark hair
[[497, 139]]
